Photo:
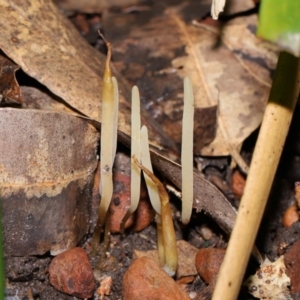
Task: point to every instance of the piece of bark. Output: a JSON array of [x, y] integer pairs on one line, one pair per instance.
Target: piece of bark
[[144, 279], [70, 272], [47, 163]]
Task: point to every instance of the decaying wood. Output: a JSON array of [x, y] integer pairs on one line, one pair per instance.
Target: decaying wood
[[47, 164]]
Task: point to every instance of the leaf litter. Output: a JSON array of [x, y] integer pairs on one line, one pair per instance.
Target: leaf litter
[[208, 198]]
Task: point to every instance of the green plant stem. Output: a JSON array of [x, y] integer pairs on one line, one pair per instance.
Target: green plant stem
[[268, 149]]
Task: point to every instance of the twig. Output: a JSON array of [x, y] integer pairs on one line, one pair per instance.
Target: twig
[[274, 128]]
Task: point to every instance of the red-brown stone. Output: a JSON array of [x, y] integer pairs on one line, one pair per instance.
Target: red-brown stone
[[292, 263], [70, 272], [208, 262], [146, 280]]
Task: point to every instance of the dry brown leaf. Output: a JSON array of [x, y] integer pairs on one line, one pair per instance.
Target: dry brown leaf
[[46, 179], [47, 47], [234, 74]]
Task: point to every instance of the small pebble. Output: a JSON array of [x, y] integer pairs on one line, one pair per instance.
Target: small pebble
[[70, 272], [145, 279], [290, 216], [105, 287], [292, 263], [208, 262], [206, 232], [238, 183], [121, 202]]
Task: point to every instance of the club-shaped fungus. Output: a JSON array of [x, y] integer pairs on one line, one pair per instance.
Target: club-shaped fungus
[[187, 151], [167, 237], [109, 125], [146, 161], [135, 183]]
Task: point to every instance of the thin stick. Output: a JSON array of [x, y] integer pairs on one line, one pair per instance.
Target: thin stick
[[272, 135]]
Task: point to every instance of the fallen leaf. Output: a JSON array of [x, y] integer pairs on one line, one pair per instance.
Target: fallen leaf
[[48, 47], [223, 75], [9, 88], [46, 176], [233, 72]]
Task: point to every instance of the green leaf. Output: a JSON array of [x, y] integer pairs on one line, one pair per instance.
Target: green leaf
[[279, 22]]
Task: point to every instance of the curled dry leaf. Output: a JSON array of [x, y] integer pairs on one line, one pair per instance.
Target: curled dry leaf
[[46, 178], [9, 88], [48, 47]]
